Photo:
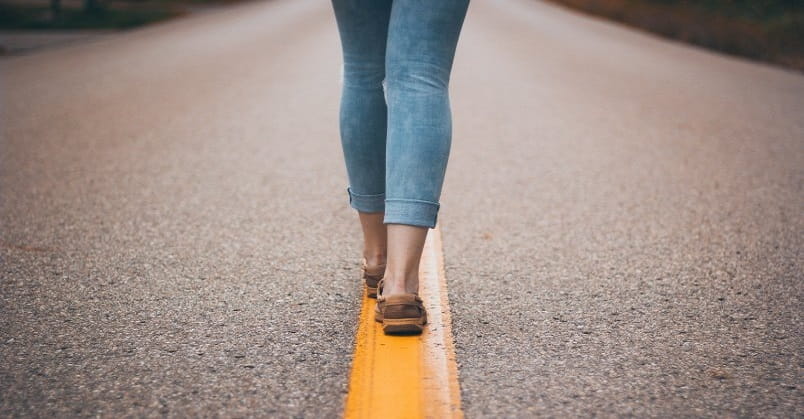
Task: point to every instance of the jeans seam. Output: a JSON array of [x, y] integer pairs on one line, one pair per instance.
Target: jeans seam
[[364, 195], [418, 217], [420, 201], [366, 202]]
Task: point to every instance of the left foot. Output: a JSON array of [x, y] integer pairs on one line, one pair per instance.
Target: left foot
[[372, 274]]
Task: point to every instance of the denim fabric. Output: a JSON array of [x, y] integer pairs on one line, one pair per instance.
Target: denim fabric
[[395, 118]]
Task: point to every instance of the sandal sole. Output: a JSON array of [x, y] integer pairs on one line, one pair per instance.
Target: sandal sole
[[402, 326]]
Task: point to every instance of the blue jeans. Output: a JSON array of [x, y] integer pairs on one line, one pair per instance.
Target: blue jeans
[[395, 118]]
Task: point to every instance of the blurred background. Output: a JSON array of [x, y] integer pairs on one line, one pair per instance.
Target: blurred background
[[28, 25], [89, 14], [766, 30]]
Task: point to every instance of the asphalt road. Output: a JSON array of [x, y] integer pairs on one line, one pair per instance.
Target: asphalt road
[[622, 222]]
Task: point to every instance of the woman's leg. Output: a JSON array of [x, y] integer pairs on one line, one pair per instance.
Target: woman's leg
[[422, 39], [363, 29], [375, 239]]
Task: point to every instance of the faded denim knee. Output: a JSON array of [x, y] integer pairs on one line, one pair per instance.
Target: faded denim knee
[[396, 125], [418, 140]]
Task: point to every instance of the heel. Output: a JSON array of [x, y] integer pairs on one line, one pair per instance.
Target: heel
[[401, 313]]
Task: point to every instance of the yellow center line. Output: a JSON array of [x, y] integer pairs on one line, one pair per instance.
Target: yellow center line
[[408, 376]]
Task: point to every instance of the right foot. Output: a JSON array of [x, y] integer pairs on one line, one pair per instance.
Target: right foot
[[401, 314]]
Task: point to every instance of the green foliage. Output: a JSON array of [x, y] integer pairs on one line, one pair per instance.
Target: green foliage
[[770, 30], [750, 9], [25, 16]]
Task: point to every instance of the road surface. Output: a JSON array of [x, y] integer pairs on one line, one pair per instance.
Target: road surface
[[622, 222]]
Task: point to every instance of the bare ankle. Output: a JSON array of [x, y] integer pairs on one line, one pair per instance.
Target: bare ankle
[[375, 259], [408, 284]]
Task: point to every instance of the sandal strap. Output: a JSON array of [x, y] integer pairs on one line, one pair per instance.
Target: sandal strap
[[402, 300], [380, 284]]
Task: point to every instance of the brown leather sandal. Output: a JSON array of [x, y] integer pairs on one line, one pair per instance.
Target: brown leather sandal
[[378, 306], [400, 313], [371, 280]]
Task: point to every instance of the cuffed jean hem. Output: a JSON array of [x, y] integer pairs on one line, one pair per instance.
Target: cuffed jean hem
[[366, 203], [411, 212]]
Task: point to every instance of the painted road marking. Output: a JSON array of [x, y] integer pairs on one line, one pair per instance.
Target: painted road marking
[[408, 376]]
